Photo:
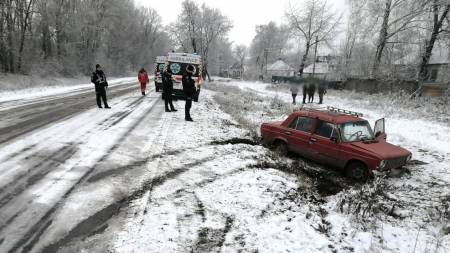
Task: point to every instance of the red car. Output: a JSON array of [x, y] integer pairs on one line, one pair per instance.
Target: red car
[[338, 138]]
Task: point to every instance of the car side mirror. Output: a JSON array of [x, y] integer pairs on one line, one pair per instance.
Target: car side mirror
[[377, 134], [334, 139]]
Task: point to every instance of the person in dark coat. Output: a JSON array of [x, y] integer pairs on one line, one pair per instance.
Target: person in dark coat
[[98, 78], [294, 92], [322, 89], [168, 90], [189, 90], [304, 91], [311, 91]]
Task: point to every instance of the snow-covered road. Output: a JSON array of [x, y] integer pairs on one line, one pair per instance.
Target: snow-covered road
[[54, 144], [136, 179]]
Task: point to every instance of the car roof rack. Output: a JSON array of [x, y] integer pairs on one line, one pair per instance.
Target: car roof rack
[[342, 111]]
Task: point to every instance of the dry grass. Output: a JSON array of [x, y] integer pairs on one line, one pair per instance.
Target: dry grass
[[248, 108]]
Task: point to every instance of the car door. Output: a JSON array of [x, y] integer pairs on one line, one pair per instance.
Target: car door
[[299, 133], [379, 130], [324, 144]]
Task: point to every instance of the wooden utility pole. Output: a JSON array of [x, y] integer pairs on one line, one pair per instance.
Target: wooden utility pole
[[315, 56]]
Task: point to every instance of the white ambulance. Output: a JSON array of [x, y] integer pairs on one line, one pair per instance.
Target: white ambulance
[[160, 62], [178, 63]]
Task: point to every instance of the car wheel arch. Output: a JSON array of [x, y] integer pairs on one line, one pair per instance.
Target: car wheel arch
[[276, 140], [350, 163], [280, 147]]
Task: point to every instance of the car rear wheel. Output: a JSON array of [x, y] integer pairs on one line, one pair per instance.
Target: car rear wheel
[[357, 171], [281, 148]]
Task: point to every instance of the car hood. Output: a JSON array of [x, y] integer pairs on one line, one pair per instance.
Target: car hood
[[382, 149]]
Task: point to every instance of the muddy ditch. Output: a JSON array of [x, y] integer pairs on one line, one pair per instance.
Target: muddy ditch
[[235, 141], [324, 182]]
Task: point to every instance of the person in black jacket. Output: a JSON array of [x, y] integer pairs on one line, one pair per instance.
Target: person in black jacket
[[99, 79], [311, 91], [168, 90], [322, 89], [189, 91], [304, 91]]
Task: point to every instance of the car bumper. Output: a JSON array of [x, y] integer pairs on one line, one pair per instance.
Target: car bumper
[[394, 163]]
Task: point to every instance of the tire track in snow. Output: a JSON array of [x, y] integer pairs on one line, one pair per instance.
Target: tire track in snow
[[91, 224], [44, 164], [33, 234], [50, 115]]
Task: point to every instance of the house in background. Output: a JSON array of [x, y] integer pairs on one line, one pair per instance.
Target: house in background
[[325, 67], [438, 66], [235, 71], [280, 71], [438, 73]]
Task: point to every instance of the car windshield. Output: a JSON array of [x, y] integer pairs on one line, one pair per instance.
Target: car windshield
[[356, 131]]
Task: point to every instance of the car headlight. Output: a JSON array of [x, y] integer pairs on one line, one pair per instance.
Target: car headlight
[[382, 164]]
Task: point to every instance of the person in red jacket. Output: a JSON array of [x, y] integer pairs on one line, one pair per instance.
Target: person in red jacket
[[143, 79]]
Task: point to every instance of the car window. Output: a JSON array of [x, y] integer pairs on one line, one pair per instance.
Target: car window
[[304, 124], [293, 124], [355, 131], [324, 129]]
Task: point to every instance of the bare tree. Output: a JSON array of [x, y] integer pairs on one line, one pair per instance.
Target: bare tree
[[214, 25], [440, 12], [200, 27], [268, 44], [356, 34], [312, 23], [69, 36], [190, 19], [397, 16], [241, 53]]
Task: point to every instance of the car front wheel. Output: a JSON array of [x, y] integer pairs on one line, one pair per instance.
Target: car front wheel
[[357, 171], [281, 148]]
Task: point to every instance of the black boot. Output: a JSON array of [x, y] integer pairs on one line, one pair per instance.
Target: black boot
[[174, 110], [143, 93], [107, 107], [167, 110]]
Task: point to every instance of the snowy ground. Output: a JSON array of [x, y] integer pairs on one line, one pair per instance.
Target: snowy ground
[[136, 179]]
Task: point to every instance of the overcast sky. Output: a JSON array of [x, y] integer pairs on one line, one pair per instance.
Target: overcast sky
[[245, 14]]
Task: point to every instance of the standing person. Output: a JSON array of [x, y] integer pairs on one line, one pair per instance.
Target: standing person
[[294, 91], [99, 79], [322, 89], [168, 90], [189, 91], [311, 91], [143, 79], [304, 91]]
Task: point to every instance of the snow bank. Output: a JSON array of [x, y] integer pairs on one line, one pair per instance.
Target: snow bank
[[61, 88]]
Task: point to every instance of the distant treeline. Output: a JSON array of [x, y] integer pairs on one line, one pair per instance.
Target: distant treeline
[[69, 36]]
